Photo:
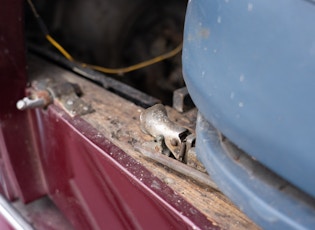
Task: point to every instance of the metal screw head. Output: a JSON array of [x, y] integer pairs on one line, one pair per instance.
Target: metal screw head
[[21, 105]]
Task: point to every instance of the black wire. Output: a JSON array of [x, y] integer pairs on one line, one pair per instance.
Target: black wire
[[40, 21]]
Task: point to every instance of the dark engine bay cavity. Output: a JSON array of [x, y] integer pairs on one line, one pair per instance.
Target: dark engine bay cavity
[[116, 34]]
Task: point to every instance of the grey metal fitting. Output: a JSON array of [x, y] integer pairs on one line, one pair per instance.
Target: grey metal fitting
[[154, 121]]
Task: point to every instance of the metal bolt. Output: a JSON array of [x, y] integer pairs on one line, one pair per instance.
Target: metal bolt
[[27, 103]]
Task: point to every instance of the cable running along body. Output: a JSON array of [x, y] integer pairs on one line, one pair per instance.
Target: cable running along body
[[119, 71]]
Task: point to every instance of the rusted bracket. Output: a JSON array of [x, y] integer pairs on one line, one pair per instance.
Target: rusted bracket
[[63, 93]]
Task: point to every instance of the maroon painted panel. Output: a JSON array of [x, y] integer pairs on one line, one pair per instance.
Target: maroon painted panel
[[19, 169], [98, 186]]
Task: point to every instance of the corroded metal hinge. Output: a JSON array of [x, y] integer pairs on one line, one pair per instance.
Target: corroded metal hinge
[[63, 93], [171, 141], [170, 138]]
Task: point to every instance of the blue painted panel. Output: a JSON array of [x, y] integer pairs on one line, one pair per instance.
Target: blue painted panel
[[250, 69], [250, 186]]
